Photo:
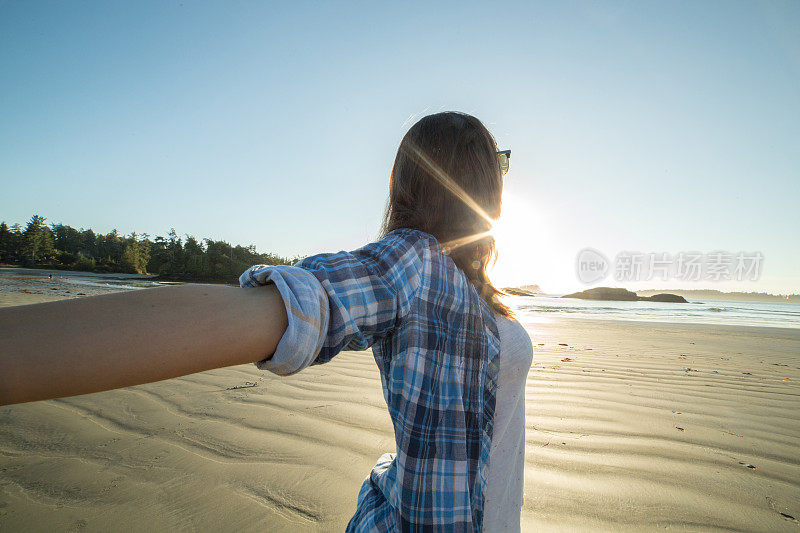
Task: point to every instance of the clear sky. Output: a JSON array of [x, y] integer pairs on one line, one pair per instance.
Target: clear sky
[[654, 127]]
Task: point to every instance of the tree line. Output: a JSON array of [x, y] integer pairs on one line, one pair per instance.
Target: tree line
[[59, 246]]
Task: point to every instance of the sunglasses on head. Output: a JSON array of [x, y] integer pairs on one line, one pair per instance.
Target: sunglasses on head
[[504, 158]]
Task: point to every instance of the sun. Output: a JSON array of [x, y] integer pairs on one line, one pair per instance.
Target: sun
[[521, 238]]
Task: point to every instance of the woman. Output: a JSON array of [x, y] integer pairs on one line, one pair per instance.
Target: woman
[[452, 360]]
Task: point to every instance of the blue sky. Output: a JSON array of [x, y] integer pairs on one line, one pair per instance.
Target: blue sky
[[656, 127]]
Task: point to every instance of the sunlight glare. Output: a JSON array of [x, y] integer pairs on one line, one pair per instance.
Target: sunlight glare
[[522, 236]]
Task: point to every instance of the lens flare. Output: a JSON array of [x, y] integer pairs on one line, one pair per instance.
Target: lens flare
[[448, 183]]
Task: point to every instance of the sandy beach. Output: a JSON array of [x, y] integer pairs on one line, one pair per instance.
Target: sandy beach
[[630, 426]]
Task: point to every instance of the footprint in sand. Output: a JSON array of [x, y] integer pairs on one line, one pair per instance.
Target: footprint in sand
[[78, 525], [786, 516]]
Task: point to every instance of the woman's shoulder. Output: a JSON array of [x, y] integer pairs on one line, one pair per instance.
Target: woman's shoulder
[[413, 252], [399, 249], [404, 243], [409, 237]]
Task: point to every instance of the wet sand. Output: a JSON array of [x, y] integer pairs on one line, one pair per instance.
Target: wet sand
[[630, 426]]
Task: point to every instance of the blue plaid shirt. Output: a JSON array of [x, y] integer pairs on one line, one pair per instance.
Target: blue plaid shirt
[[436, 344]]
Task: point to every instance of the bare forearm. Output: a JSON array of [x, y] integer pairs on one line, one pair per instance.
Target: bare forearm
[[105, 342]]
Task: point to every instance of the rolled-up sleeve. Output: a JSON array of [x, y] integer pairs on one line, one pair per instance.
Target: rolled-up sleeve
[[306, 310], [343, 300]]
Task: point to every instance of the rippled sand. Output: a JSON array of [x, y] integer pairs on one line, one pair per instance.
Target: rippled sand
[[645, 426], [630, 426]]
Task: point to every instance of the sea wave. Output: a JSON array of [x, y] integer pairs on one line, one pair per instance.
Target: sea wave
[[779, 314]]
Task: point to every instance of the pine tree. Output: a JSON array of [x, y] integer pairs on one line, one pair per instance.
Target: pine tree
[[5, 242], [37, 240], [17, 240]]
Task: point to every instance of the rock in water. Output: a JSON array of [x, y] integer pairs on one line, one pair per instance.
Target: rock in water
[[605, 293], [516, 291], [623, 295], [669, 298]]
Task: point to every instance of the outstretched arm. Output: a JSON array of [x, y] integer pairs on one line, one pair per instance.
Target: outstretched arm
[[98, 343]]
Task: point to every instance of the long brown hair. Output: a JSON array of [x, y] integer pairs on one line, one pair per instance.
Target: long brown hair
[[446, 181]]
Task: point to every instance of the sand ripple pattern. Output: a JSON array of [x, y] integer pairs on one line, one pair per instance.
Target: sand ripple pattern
[[635, 426], [630, 426]]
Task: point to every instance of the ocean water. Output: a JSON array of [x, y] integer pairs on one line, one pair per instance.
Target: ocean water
[[33, 280], [529, 309], [778, 314]]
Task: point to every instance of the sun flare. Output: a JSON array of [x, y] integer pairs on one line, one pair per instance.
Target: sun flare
[[522, 239]]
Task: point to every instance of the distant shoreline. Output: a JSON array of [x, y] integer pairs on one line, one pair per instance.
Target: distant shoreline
[[736, 296], [688, 294], [173, 278]]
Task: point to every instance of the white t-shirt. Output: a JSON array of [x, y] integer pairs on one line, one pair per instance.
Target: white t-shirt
[[503, 501]]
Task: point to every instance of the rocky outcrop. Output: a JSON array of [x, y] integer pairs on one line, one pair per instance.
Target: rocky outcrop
[[665, 297], [523, 290], [622, 295], [516, 291], [605, 293]]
